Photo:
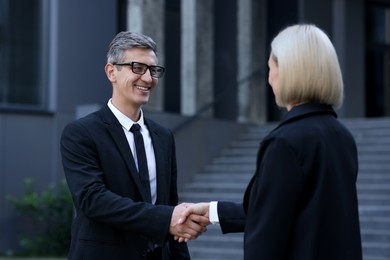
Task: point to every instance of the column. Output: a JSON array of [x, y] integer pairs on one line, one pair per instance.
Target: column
[[147, 17], [188, 60], [197, 55], [252, 60]]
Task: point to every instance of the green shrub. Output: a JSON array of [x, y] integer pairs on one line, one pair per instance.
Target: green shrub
[[52, 211]]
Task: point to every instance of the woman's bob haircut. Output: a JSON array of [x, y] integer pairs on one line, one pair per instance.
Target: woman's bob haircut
[[308, 66]]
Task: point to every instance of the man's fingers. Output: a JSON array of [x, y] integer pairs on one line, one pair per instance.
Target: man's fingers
[[190, 230], [201, 220], [184, 215]]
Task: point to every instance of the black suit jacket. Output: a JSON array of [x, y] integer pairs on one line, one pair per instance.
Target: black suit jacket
[[112, 220], [301, 203]]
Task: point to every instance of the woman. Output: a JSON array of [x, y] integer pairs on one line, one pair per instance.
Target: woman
[[301, 202]]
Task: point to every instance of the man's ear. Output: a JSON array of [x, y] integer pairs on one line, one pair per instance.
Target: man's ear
[[110, 72]]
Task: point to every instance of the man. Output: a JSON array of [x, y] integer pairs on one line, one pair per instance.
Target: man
[[117, 216]]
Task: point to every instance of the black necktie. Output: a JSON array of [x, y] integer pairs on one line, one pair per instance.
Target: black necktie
[[142, 162]]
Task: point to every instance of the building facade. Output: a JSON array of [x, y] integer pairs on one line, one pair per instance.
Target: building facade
[[52, 57]]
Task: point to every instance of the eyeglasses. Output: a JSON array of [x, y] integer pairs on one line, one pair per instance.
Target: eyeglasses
[[141, 68]]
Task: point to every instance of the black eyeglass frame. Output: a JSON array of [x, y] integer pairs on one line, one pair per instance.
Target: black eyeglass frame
[[155, 71]]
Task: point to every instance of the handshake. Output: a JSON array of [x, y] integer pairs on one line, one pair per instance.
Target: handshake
[[189, 221]]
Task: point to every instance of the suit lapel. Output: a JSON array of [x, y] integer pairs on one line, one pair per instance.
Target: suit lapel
[[116, 131], [160, 163]]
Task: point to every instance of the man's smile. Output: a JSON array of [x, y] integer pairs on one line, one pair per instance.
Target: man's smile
[[143, 88]]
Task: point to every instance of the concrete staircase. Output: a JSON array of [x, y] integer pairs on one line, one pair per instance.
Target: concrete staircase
[[227, 176], [373, 139]]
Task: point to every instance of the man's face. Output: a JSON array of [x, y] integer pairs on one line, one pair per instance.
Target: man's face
[[129, 88]]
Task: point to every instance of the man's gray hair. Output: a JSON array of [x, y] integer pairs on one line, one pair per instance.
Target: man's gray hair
[[127, 40]]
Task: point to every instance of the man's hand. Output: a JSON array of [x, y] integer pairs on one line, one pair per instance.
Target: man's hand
[[198, 213], [200, 209], [190, 227]]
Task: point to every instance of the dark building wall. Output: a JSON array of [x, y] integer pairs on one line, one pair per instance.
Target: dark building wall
[[83, 39], [26, 151], [29, 142]]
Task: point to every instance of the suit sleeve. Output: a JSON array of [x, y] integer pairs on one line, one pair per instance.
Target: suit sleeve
[[273, 200], [86, 181], [231, 217]]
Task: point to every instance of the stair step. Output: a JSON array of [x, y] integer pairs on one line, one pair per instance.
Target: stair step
[[222, 176], [366, 141], [377, 235], [215, 253], [368, 188], [253, 144], [374, 168], [239, 151], [214, 245], [211, 196], [235, 159], [371, 257], [373, 176], [374, 210], [217, 187], [375, 222], [231, 168], [373, 148], [373, 199], [376, 250], [209, 240]]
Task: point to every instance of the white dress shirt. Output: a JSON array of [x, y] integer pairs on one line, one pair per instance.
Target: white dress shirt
[[126, 125], [213, 212]]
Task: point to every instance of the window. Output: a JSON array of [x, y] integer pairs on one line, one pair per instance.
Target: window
[[21, 59]]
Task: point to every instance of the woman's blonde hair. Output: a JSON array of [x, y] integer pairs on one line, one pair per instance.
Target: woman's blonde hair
[[308, 66]]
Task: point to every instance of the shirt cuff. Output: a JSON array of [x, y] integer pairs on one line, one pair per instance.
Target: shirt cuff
[[213, 212]]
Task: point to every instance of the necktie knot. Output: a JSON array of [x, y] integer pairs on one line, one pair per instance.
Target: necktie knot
[[135, 128]]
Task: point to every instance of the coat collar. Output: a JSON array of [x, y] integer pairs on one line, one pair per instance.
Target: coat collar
[[116, 131], [161, 161], [306, 110]]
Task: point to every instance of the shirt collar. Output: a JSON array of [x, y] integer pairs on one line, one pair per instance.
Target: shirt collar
[[123, 119]]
